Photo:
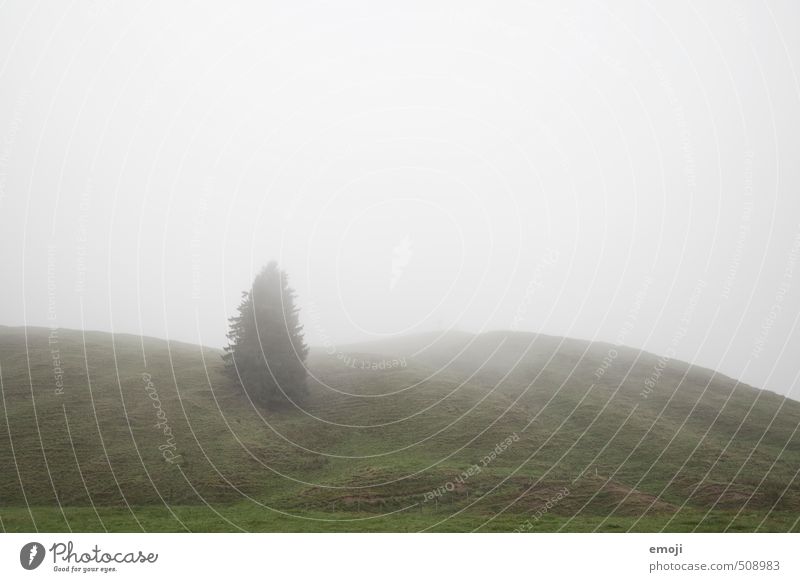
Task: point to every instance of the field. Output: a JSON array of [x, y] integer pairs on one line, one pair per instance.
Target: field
[[496, 432]]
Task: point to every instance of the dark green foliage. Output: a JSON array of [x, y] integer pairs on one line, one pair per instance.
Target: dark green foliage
[[266, 352]]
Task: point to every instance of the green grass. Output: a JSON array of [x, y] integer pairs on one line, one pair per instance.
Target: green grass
[[245, 517], [699, 453]]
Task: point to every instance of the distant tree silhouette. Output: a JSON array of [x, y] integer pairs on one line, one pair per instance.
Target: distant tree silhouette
[[266, 351]]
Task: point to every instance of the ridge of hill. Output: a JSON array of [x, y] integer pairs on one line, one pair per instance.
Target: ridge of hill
[[437, 431]]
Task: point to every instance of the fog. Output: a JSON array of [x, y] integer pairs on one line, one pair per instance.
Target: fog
[[625, 172]]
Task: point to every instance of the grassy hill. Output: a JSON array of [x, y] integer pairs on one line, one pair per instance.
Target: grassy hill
[[496, 432]]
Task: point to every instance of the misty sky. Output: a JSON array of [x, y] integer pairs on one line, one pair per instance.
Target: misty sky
[[624, 172]]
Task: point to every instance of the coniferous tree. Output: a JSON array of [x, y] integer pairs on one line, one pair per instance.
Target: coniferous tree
[[266, 351]]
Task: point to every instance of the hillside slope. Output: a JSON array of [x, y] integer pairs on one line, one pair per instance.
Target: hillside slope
[[497, 431]]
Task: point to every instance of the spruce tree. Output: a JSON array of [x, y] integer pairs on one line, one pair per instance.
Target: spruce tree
[[266, 351]]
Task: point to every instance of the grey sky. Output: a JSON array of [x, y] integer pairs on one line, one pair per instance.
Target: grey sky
[[623, 172]]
